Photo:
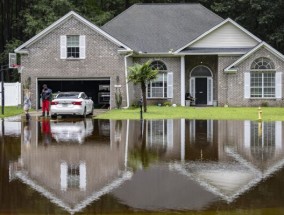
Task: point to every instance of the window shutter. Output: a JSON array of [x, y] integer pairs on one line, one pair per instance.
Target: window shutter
[[170, 85], [63, 176], [63, 48], [82, 41], [247, 134], [247, 85], [83, 178], [278, 87]]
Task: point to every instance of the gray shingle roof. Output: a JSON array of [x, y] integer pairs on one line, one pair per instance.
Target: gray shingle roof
[[158, 28]]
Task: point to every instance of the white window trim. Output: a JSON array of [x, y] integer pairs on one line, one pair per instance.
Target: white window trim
[[277, 134], [262, 84], [82, 47], [168, 138], [163, 87]]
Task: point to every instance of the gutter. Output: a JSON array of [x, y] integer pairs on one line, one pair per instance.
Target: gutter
[[126, 71]]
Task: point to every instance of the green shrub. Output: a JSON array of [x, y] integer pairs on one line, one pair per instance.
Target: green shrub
[[167, 104], [264, 104], [135, 104], [118, 99]]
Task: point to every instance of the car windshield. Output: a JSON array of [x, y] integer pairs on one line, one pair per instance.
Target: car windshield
[[68, 96]]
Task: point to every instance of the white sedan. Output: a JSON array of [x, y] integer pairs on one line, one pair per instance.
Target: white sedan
[[71, 103], [71, 131]]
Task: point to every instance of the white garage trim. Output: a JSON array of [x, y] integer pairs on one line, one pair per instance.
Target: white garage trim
[[68, 79]]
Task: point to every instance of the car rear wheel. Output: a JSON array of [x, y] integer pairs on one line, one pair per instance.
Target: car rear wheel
[[92, 111], [85, 113], [53, 116]]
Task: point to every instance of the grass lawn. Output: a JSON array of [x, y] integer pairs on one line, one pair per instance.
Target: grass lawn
[[221, 113], [11, 111]]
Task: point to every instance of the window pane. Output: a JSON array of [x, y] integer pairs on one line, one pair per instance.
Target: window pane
[[158, 86], [262, 63], [72, 41], [73, 50], [269, 79], [269, 92], [256, 92], [157, 92], [157, 133], [73, 177], [158, 65], [256, 79], [262, 84]]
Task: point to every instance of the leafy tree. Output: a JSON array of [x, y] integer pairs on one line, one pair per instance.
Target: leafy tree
[[142, 74], [13, 74], [22, 19], [44, 12]]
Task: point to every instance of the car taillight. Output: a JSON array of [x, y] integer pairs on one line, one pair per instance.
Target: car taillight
[[54, 103], [77, 103]]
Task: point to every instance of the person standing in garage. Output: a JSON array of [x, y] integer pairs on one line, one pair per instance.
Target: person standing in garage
[[46, 95]]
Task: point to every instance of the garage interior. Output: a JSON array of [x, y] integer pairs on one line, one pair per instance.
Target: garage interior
[[99, 90]]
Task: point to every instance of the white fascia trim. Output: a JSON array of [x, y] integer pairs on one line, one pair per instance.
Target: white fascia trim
[[231, 71], [262, 44], [64, 18], [23, 51], [124, 51], [216, 27], [212, 53], [154, 54]]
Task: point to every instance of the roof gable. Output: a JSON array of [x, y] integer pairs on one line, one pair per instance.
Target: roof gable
[[158, 28], [232, 67], [227, 34], [62, 20], [21, 175]]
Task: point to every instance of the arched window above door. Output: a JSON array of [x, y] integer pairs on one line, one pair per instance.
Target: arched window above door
[[202, 71]]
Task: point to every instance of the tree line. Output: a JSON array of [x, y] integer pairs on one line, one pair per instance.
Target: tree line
[[22, 19]]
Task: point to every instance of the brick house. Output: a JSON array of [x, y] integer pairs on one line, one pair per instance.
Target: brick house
[[197, 52]]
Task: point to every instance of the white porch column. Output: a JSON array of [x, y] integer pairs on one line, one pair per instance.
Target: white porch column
[[182, 81]]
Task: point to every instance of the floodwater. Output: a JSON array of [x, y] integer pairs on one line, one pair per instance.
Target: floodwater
[[76, 166]]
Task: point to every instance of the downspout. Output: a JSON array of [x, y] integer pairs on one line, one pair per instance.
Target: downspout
[[126, 72]]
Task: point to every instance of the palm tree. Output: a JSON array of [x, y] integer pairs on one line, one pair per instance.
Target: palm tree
[[143, 74]]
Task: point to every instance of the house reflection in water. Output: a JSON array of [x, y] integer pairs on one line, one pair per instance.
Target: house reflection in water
[[212, 159], [215, 160], [79, 163]]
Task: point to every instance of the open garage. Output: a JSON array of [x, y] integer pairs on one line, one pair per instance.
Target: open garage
[[98, 89]]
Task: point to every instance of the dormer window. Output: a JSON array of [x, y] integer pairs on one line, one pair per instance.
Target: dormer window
[[72, 47]]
